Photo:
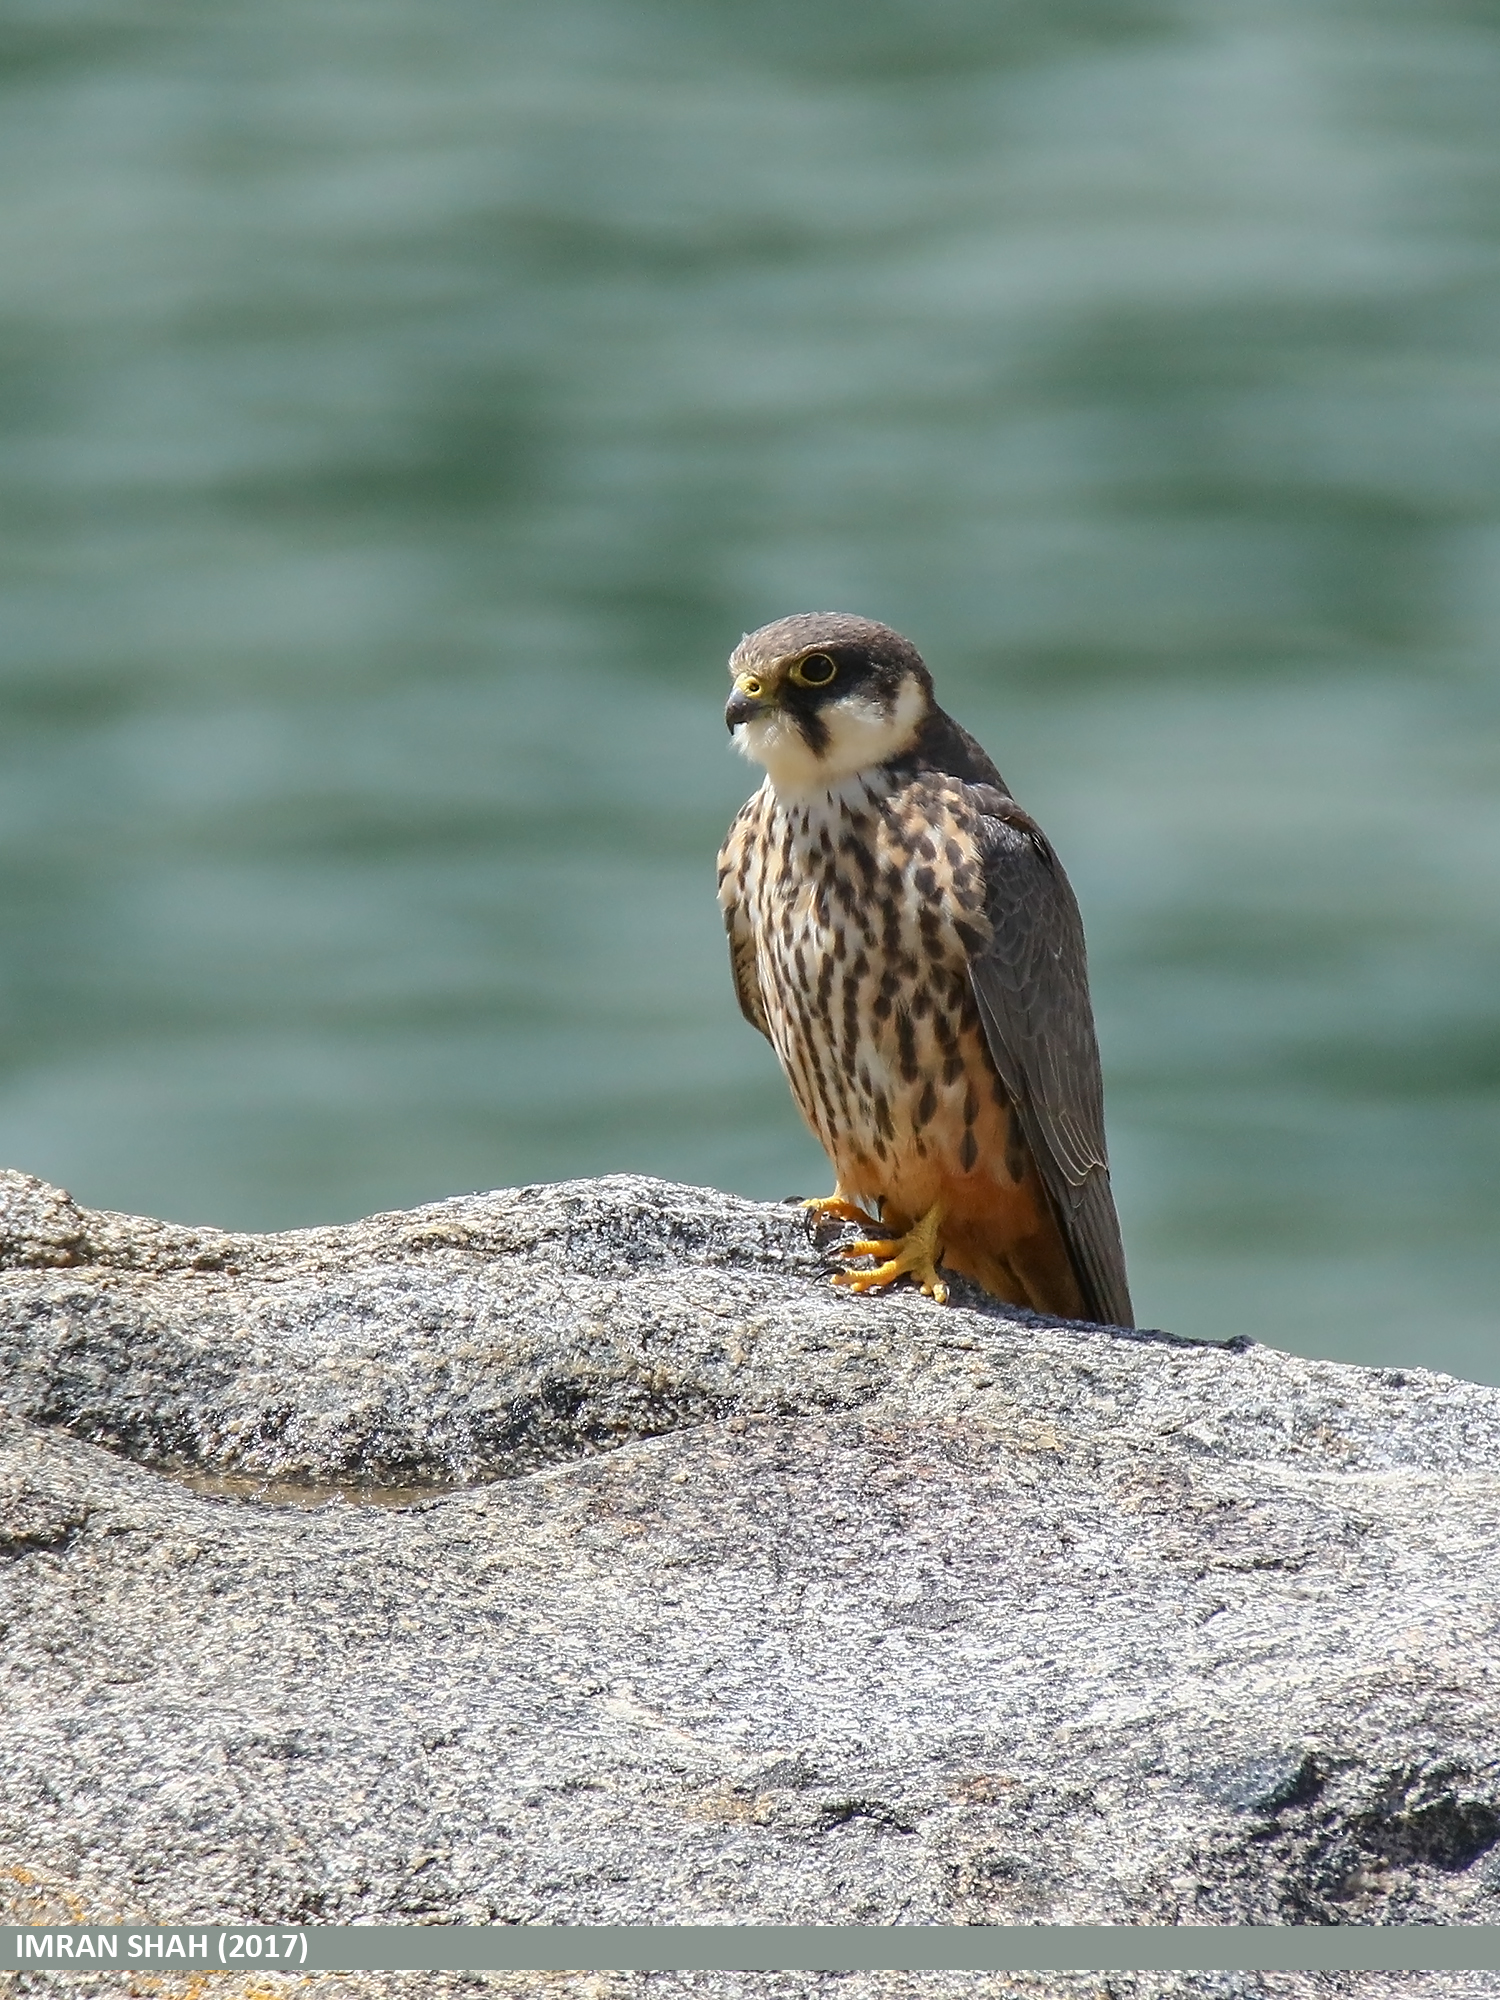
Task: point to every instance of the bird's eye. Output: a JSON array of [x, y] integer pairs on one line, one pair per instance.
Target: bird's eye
[[816, 671]]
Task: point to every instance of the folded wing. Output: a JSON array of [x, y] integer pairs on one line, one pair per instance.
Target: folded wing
[[1031, 982]]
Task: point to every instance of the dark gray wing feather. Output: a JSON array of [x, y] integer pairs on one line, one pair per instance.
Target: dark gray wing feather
[[1031, 982]]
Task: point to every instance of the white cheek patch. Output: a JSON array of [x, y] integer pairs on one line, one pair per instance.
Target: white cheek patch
[[775, 741], [861, 734]]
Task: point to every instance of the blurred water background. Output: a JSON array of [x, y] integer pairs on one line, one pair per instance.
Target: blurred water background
[[407, 404]]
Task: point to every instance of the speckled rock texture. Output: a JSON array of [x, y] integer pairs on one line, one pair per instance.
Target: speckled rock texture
[[756, 1602], [758, 1986]]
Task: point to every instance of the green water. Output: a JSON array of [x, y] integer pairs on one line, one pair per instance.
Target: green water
[[403, 408]]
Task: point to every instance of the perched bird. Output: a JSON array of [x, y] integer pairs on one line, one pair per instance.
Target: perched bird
[[903, 934]]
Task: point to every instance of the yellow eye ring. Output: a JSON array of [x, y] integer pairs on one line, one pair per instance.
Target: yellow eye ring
[[816, 671]]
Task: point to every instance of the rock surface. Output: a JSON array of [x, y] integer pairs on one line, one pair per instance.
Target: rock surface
[[760, 1986], [756, 1602]]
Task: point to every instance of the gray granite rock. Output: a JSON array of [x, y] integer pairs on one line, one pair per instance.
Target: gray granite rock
[[752, 1601], [761, 1986]]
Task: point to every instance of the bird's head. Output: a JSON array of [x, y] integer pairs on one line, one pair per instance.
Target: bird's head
[[822, 695]]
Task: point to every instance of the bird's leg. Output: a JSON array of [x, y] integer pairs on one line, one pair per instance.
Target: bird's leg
[[916, 1253], [838, 1207]]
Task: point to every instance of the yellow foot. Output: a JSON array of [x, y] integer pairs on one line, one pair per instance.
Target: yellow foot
[[915, 1254], [838, 1207]]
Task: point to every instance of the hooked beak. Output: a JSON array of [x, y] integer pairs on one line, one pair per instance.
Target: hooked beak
[[751, 698]]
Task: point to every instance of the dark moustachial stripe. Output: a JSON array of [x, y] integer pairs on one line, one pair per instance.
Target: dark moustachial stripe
[[814, 730]]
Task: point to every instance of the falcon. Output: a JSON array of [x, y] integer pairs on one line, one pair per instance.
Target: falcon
[[903, 934]]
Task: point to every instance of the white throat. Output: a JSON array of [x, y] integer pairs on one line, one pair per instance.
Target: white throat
[[861, 735]]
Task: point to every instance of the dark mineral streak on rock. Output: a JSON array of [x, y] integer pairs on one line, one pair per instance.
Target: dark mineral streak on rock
[[755, 1602]]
